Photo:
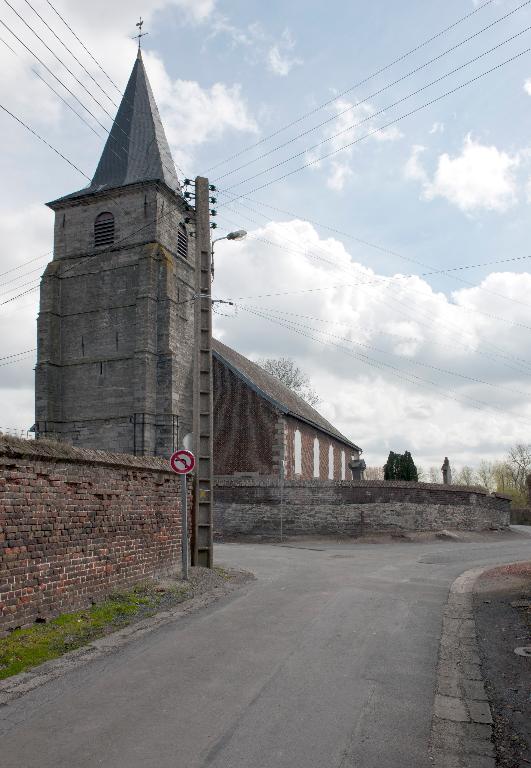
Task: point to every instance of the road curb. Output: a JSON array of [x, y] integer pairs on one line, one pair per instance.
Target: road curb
[[461, 732]]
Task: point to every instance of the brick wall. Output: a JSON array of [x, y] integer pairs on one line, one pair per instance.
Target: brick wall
[[75, 524], [245, 427], [249, 507], [308, 436]]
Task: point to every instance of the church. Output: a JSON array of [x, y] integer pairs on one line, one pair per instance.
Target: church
[[116, 334]]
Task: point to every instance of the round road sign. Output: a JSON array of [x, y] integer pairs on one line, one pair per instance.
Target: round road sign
[[182, 462]]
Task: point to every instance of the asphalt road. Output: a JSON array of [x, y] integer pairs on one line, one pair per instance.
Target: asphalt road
[[327, 660]]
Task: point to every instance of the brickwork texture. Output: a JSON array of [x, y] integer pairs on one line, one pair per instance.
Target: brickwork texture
[[76, 524], [252, 507]]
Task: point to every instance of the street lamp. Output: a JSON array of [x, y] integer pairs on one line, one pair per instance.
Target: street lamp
[[239, 234]]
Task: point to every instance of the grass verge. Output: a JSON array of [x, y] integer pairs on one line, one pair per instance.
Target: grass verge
[[26, 648]]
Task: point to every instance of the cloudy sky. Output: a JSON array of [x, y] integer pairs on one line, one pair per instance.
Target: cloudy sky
[[380, 159]]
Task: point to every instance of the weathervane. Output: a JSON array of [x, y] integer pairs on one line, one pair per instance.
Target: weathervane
[[140, 33]]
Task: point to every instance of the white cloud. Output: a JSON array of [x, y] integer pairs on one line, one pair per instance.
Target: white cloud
[[193, 115], [352, 121], [437, 128], [279, 58], [527, 86], [193, 112], [387, 328], [481, 177]]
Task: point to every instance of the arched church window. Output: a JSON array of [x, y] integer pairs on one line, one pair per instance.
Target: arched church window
[[104, 229], [331, 462], [182, 241], [298, 452], [316, 470]]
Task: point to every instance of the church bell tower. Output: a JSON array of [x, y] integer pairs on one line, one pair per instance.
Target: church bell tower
[[116, 321]]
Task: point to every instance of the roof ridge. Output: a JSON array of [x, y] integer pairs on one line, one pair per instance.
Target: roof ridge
[[275, 391]]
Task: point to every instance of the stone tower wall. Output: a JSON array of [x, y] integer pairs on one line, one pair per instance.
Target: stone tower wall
[[115, 329]]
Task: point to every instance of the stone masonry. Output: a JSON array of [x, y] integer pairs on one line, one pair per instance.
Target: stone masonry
[[252, 507], [116, 325], [115, 329], [76, 524]]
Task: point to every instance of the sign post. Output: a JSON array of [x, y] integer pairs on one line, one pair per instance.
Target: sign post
[[182, 462]]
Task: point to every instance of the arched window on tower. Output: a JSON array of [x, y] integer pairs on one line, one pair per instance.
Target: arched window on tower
[[104, 229], [182, 241]]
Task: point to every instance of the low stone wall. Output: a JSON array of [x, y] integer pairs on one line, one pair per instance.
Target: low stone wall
[[252, 507], [76, 524]]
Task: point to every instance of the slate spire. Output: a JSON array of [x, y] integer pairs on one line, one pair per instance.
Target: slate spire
[[137, 148]]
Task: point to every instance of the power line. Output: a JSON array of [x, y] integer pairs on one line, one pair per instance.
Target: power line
[[98, 252], [519, 361], [410, 378], [433, 272], [274, 313], [122, 147], [71, 52], [356, 85], [87, 50], [78, 81], [492, 356], [376, 130], [65, 102], [18, 354], [19, 277], [29, 261], [26, 126], [18, 296], [377, 281], [41, 62], [372, 95]]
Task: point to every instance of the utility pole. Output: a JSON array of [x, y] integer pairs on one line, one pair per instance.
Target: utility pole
[[203, 540]]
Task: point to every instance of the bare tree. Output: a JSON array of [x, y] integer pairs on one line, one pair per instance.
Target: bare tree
[[288, 372], [519, 461], [434, 475], [374, 473], [486, 475], [465, 476]]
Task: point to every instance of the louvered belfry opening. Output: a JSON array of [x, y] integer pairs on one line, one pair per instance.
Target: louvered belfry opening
[[182, 242], [104, 229]]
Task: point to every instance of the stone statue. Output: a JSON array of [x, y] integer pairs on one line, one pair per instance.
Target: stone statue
[[357, 467], [446, 472]]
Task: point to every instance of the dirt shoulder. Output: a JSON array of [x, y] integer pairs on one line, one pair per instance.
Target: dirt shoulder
[[502, 612]]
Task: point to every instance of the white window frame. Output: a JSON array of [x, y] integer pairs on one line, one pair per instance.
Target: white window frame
[[343, 466], [331, 462], [297, 451], [316, 458]]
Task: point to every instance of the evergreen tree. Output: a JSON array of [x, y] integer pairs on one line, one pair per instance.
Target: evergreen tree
[[390, 467], [400, 466], [408, 468]]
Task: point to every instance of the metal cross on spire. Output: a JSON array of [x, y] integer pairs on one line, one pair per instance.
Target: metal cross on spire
[[140, 33]]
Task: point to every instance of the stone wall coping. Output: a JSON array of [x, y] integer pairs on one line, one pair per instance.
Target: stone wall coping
[[228, 481], [501, 495], [52, 450]]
